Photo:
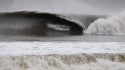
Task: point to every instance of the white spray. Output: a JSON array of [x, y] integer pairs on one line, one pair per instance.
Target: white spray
[[114, 25]]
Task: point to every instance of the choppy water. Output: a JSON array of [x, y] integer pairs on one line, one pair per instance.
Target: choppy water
[[61, 62]]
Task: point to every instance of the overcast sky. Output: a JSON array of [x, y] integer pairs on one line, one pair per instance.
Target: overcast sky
[[65, 6]]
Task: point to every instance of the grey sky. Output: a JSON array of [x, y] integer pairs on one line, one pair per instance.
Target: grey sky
[[65, 6]]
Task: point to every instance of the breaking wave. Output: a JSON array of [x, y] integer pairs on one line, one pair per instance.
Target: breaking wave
[[64, 62], [114, 25]]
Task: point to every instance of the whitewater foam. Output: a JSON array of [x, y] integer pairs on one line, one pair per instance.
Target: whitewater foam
[[63, 62], [114, 25]]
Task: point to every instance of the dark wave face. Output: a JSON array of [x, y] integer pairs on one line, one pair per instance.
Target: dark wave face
[[37, 24]]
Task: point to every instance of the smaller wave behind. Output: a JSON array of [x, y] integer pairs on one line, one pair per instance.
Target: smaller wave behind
[[113, 25], [95, 61]]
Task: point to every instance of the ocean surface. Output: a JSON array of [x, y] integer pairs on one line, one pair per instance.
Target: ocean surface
[[102, 47], [82, 38]]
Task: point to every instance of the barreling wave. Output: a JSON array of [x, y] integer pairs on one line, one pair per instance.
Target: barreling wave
[[114, 25], [96, 61]]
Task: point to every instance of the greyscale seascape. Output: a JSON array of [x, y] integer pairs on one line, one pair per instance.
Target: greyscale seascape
[[62, 35]]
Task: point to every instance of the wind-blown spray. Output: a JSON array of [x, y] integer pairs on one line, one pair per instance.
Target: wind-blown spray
[[114, 25]]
